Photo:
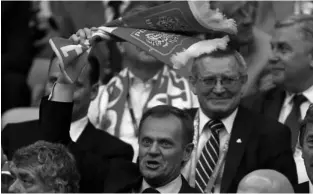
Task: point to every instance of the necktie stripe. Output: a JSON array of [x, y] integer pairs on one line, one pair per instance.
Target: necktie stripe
[[209, 155]]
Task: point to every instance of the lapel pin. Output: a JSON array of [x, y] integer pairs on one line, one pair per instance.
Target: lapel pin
[[239, 140]]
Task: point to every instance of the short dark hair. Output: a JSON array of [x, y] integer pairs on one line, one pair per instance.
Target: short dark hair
[[53, 163], [163, 111], [308, 119]]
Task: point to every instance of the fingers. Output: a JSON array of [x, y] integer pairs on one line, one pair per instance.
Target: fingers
[[81, 36]]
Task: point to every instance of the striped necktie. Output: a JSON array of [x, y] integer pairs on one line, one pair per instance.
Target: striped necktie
[[209, 155]]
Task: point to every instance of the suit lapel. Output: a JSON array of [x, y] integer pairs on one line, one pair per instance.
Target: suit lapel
[[273, 103], [85, 140], [241, 130]]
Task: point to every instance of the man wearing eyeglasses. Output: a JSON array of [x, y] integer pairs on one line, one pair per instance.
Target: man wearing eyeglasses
[[231, 141]]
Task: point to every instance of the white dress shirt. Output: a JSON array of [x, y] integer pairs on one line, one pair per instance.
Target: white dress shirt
[[77, 127], [285, 111], [310, 187], [204, 137], [173, 187]]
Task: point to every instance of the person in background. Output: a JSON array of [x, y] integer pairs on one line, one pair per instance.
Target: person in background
[[43, 167], [291, 64], [305, 141], [15, 136], [141, 88], [265, 181], [16, 54]]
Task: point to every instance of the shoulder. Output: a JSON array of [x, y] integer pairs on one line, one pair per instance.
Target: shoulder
[[23, 126], [302, 188]]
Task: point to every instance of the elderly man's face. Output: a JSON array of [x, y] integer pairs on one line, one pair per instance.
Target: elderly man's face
[[26, 180], [307, 150], [161, 150], [291, 58], [218, 85]]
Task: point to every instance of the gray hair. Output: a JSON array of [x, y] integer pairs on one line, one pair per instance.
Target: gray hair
[[303, 21], [220, 54]]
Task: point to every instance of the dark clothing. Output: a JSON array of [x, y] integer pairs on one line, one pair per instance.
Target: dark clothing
[[92, 141], [302, 188], [265, 144], [16, 53], [135, 186]]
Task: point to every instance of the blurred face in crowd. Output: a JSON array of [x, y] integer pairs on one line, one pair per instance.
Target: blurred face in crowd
[[307, 150], [26, 180], [291, 58], [162, 149], [243, 13], [84, 90], [218, 84], [138, 57]]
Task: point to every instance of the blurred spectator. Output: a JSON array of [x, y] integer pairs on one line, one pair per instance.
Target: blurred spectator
[[45, 168], [265, 181], [251, 42], [291, 66], [16, 53], [137, 88], [305, 140]]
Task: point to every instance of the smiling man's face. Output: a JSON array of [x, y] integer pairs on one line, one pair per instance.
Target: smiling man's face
[[161, 149]]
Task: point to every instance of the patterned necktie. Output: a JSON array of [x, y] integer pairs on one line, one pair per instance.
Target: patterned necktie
[[294, 119], [209, 155]]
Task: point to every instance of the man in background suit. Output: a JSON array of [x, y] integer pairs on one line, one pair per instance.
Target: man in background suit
[[82, 132], [221, 124], [305, 141], [292, 71]]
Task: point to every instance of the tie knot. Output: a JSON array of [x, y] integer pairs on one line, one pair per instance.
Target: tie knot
[[299, 99], [215, 125], [150, 190]]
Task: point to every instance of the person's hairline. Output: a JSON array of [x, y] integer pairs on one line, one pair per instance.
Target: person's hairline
[[241, 64]]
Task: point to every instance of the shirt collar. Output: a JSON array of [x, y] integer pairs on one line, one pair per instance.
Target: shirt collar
[[135, 79], [227, 121], [172, 187], [310, 187], [307, 93], [77, 127]]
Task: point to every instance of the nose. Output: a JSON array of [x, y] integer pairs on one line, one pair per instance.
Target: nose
[[154, 149], [273, 59], [218, 88], [15, 187]]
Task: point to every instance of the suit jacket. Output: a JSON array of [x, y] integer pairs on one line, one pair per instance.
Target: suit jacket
[[185, 188], [265, 144], [268, 103], [302, 188], [92, 140]]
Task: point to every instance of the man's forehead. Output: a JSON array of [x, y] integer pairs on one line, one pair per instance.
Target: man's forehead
[[287, 34], [213, 64]]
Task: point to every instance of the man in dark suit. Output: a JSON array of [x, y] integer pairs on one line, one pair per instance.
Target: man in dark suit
[[305, 141], [231, 141], [82, 132], [165, 145], [292, 71]]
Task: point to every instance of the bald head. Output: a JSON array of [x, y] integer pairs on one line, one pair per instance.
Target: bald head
[[265, 181]]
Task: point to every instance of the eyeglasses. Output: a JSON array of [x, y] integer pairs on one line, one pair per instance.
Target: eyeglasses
[[226, 81]]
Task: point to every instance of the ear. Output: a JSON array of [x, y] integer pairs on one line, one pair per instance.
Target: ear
[[193, 82], [187, 152], [94, 91], [120, 46]]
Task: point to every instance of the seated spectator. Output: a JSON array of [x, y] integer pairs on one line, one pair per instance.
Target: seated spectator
[[265, 181], [44, 168], [305, 140], [142, 89], [15, 136]]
